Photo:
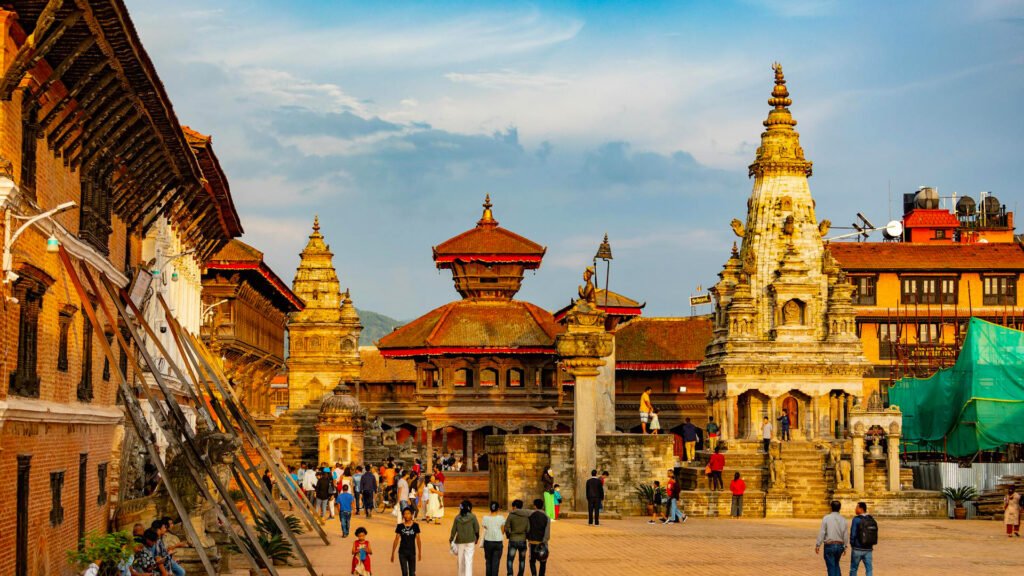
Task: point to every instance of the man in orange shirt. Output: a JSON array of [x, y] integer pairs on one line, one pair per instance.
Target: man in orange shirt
[[389, 481], [646, 408]]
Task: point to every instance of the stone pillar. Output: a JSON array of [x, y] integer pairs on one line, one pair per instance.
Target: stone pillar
[[605, 389], [772, 417], [430, 446], [468, 456], [582, 348], [730, 417], [444, 440], [841, 405], [833, 414], [894, 462], [858, 463]]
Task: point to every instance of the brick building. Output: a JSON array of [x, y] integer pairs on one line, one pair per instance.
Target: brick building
[[85, 120]]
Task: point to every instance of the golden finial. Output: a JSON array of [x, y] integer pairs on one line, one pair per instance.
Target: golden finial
[[488, 217], [604, 251], [780, 100], [735, 251], [316, 223]]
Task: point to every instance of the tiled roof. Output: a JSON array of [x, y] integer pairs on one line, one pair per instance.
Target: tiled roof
[[239, 256], [899, 256], [487, 240], [650, 340], [377, 368], [615, 304], [216, 181], [922, 218], [476, 325]]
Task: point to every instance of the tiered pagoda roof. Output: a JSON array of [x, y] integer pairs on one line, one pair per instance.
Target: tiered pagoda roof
[[487, 264]]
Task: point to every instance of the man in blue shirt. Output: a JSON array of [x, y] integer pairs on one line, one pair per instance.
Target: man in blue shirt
[[860, 552], [690, 433], [784, 425], [368, 487], [345, 501]]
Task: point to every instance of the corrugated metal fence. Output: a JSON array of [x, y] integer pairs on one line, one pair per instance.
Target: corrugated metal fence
[[940, 475]]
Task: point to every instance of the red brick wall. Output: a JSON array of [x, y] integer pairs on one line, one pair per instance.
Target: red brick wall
[[53, 447]]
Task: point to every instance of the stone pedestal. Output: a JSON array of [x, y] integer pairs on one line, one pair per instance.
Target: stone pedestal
[[604, 394]]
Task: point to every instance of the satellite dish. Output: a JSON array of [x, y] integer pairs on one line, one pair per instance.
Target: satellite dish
[[893, 230]]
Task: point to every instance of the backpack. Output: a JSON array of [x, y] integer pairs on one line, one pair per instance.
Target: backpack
[[867, 532]]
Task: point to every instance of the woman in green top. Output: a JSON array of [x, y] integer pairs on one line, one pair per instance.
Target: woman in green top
[[494, 524], [465, 534]]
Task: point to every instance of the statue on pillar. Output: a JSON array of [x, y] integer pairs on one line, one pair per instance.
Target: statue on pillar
[[843, 481], [776, 467]]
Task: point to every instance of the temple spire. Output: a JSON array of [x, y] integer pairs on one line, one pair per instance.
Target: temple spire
[[316, 223], [780, 151]]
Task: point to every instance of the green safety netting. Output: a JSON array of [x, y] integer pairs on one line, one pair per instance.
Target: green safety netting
[[977, 404]]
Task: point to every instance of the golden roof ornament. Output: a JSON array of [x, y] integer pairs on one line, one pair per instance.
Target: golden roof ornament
[[488, 217], [316, 223], [780, 151]]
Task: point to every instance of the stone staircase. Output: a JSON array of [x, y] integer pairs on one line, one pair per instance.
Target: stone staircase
[[808, 481], [295, 434]]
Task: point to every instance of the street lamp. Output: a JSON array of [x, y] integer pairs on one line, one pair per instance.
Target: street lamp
[[52, 244], [208, 309], [158, 271]]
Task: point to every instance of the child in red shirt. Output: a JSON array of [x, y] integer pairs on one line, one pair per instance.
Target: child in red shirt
[[361, 552]]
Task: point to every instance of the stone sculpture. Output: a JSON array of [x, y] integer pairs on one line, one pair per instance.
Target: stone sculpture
[[843, 482]]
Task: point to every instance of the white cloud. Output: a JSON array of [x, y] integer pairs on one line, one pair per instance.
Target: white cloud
[[506, 79], [280, 88]]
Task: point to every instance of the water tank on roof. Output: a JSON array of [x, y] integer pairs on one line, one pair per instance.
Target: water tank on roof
[[991, 205], [927, 197], [966, 206]]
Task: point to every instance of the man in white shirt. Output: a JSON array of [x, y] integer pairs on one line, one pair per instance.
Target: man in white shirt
[[833, 536], [403, 491], [309, 484], [766, 434]]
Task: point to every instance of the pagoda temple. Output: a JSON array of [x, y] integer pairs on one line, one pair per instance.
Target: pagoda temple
[[485, 364]]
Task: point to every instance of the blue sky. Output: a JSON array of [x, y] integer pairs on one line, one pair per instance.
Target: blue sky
[[392, 120]]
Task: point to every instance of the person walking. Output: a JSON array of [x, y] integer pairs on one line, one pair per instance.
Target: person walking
[[516, 526], [361, 552], [403, 491], [1011, 512], [494, 527], [737, 487], [717, 465], [345, 501], [690, 434], [537, 536], [309, 484], [407, 543], [832, 536], [713, 431], [324, 494], [357, 492], [595, 497], [368, 487], [863, 537], [645, 409], [675, 502], [784, 425], [766, 434], [465, 534], [268, 481], [435, 506]]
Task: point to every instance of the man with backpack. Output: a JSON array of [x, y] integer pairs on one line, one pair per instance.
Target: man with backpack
[[863, 537]]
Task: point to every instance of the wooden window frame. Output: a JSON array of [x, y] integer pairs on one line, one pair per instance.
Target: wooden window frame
[[1005, 293]]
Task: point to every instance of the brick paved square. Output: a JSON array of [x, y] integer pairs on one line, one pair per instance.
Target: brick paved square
[[717, 547]]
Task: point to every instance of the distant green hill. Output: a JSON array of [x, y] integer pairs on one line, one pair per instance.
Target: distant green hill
[[374, 326]]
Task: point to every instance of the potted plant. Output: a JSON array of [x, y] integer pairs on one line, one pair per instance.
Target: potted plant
[[958, 496], [273, 543], [648, 496], [110, 550]]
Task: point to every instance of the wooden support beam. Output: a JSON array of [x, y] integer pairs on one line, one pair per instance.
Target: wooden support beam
[[66, 64], [135, 413], [179, 425], [35, 49], [103, 142], [88, 114], [72, 96], [98, 128]]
